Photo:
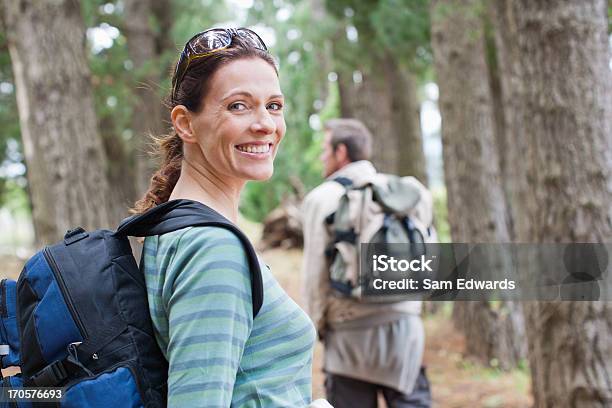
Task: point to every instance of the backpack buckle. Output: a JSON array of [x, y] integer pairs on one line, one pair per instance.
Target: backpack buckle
[[50, 376], [74, 235]]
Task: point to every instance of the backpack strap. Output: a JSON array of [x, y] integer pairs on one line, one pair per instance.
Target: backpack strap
[[177, 214], [344, 181]]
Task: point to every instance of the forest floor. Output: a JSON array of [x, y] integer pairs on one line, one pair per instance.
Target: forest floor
[[455, 380]]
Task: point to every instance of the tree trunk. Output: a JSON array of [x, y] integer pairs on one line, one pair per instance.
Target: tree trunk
[[64, 154], [476, 202], [383, 97], [120, 169], [566, 130], [407, 124], [144, 48]]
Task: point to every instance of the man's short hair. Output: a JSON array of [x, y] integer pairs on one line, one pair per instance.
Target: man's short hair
[[353, 134]]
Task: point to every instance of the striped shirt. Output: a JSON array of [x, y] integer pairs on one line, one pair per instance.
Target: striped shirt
[[199, 291]]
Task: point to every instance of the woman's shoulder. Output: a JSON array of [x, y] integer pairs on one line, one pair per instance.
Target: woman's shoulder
[[200, 239], [194, 247], [201, 233]]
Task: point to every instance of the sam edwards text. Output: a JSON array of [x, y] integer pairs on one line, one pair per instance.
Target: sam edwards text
[[427, 284]]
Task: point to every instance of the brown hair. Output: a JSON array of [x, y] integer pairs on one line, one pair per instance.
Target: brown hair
[[191, 93], [353, 134]]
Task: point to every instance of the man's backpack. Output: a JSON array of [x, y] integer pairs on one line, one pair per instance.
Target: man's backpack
[[390, 209], [78, 316]]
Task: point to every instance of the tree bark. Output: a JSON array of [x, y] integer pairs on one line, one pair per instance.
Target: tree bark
[[507, 91], [63, 151], [406, 114], [565, 127], [145, 48], [121, 172], [476, 201]]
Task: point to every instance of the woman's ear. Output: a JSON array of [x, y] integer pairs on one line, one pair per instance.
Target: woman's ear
[[181, 120]]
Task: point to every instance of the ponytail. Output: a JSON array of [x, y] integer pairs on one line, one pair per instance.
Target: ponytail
[[170, 148]]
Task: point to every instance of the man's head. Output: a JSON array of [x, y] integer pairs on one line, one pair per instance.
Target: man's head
[[346, 141]]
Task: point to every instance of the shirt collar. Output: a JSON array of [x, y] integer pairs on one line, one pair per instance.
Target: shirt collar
[[354, 170]]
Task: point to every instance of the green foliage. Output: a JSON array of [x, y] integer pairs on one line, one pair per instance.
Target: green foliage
[[399, 27], [192, 17], [16, 199], [403, 27], [11, 157]]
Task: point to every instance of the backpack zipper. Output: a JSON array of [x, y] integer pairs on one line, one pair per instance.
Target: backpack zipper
[[64, 289]]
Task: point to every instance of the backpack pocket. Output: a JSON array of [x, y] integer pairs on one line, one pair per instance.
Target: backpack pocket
[[116, 387], [47, 317], [9, 334]]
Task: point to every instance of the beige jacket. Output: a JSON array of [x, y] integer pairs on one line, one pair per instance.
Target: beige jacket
[[324, 306]]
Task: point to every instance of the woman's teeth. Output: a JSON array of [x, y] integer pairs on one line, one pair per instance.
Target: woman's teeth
[[254, 148]]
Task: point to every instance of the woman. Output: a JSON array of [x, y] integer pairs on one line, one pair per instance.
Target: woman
[[227, 113]]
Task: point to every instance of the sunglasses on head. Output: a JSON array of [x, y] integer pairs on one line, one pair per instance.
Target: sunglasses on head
[[208, 42]]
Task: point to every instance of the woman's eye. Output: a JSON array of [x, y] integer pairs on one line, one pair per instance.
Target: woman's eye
[[275, 106], [237, 106]]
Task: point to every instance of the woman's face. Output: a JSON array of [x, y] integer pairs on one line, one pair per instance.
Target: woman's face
[[241, 123]]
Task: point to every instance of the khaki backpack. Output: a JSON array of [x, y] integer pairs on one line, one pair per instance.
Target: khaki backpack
[[388, 209]]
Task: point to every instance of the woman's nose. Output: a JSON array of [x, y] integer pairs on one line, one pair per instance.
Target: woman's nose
[[263, 123]]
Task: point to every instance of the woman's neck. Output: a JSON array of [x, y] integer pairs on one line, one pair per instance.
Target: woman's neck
[[200, 184]]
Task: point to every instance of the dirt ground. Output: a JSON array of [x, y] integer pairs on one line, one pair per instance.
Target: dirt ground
[[455, 381]]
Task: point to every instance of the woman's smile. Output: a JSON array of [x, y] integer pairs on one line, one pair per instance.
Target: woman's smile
[[256, 150]]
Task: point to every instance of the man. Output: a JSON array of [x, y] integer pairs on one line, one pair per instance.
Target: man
[[368, 347]]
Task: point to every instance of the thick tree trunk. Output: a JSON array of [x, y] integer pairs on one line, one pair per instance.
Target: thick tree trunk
[[565, 126], [64, 154], [385, 100], [145, 47], [476, 201]]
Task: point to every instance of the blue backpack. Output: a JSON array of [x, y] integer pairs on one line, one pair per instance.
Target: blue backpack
[[78, 316]]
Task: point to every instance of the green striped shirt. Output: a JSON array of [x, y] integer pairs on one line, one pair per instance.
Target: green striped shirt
[[199, 290]]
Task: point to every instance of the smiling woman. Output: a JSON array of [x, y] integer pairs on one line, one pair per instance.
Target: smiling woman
[[227, 114]]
